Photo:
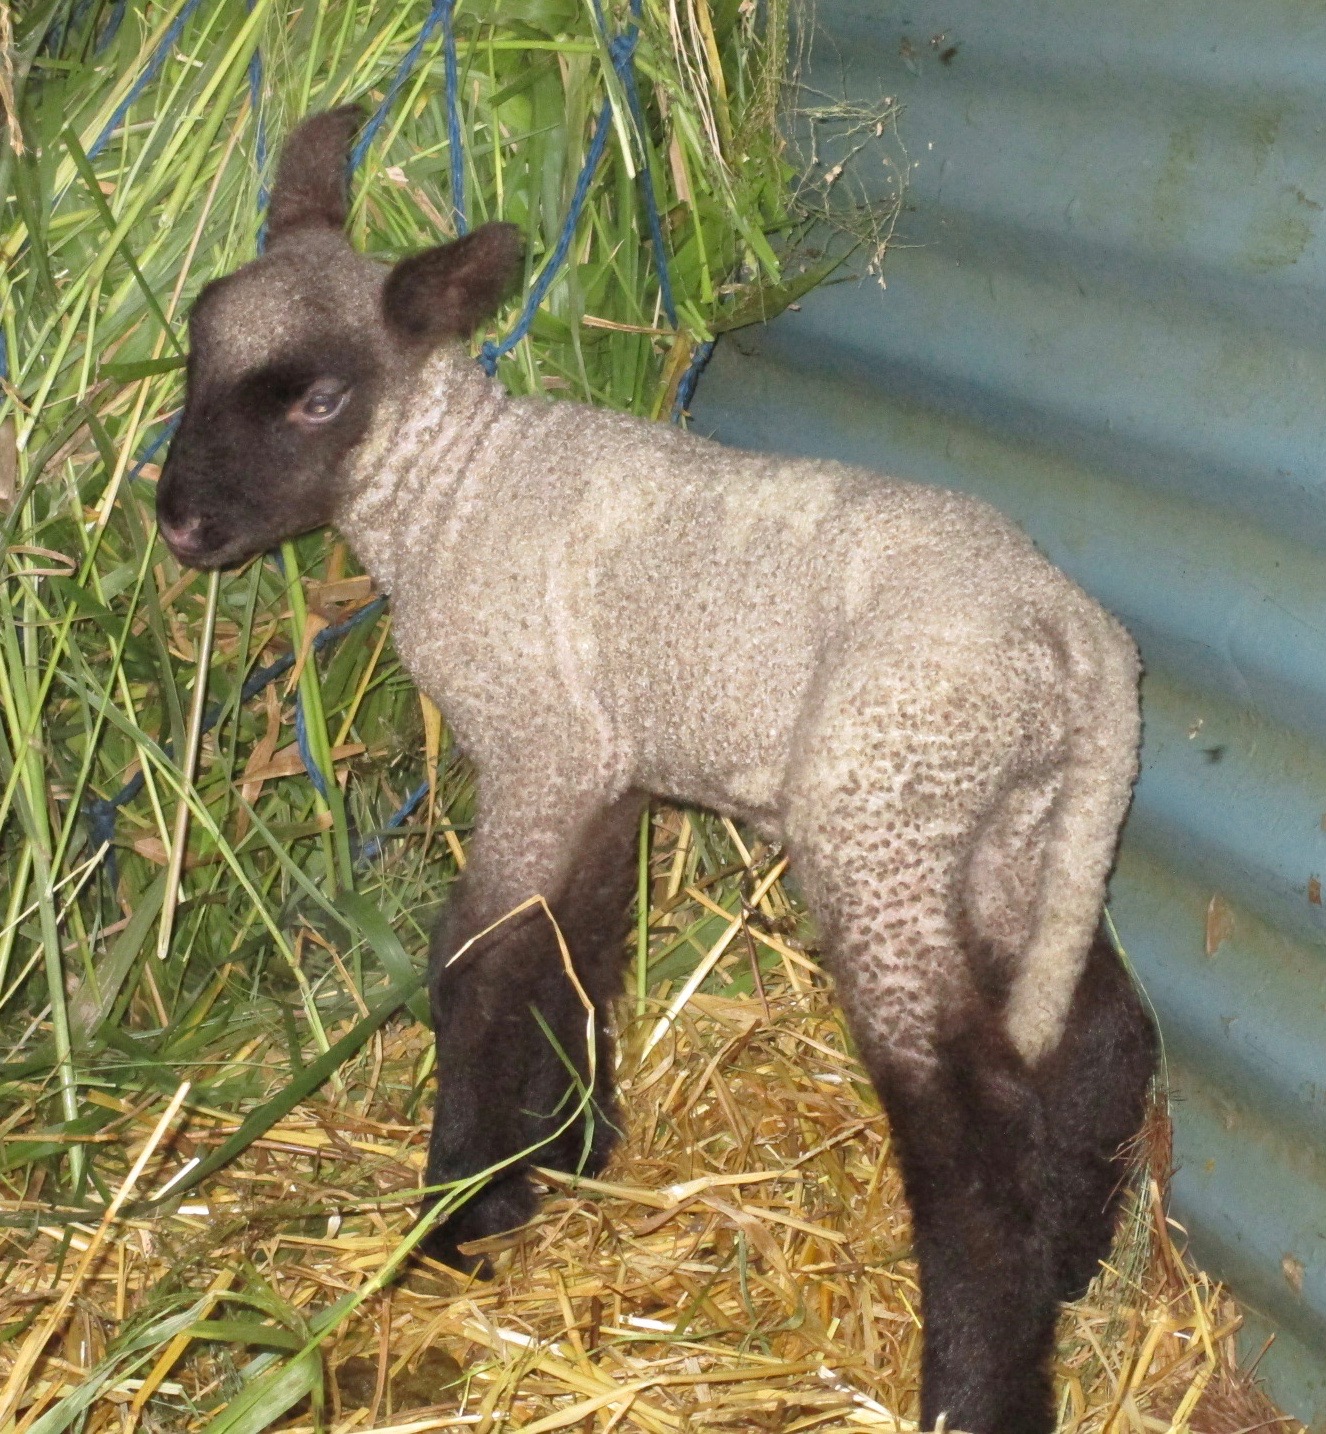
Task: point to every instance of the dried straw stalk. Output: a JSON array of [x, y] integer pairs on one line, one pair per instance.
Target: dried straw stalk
[[744, 1264]]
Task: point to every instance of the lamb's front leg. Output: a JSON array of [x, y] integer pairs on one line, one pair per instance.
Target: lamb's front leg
[[513, 1053]]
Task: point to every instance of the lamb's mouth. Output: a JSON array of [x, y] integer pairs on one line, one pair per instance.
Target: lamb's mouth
[[192, 547]]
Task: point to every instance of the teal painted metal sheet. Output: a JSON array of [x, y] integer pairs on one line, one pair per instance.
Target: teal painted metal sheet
[[1107, 314]]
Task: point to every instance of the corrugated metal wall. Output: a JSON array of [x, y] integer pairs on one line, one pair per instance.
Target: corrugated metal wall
[[1107, 314]]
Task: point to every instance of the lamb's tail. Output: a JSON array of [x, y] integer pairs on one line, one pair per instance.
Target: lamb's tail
[[1105, 731]]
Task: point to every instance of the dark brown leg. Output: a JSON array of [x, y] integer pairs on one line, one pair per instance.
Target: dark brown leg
[[509, 1078], [970, 1137], [1014, 1178], [1096, 1085]]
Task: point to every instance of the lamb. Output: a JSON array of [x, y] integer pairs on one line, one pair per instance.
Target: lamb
[[940, 728]]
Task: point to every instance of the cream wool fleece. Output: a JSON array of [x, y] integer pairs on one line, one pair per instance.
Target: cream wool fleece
[[884, 676]]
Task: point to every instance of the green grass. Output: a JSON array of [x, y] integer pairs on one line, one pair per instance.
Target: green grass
[[261, 933]]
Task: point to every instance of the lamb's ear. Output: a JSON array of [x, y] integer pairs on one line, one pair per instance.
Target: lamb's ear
[[312, 180], [449, 291]]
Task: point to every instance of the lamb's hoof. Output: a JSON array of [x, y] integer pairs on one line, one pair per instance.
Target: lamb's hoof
[[440, 1246], [505, 1204]]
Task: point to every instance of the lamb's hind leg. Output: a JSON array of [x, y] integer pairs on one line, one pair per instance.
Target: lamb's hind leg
[[969, 1130], [512, 1030], [881, 834], [1094, 1086], [1013, 1172]]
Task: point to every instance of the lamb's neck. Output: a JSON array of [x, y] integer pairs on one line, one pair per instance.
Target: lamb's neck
[[422, 443]]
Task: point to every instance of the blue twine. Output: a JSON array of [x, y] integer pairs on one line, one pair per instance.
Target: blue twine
[[260, 136], [440, 13], [111, 27], [306, 751], [457, 155], [265, 676], [372, 848], [302, 744], [651, 203], [99, 813], [491, 352], [686, 388], [621, 50], [153, 448], [167, 42]]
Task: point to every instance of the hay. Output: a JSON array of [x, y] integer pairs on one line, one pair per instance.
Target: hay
[[8, 110], [744, 1264]]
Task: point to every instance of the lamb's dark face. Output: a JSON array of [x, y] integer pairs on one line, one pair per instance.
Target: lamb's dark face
[[289, 356], [286, 359]]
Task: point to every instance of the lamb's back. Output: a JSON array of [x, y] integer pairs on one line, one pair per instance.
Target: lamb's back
[[675, 607], [713, 591]]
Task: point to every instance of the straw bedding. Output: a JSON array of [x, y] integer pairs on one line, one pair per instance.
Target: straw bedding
[[744, 1265]]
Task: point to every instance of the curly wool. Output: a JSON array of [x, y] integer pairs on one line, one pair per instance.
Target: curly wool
[[887, 677]]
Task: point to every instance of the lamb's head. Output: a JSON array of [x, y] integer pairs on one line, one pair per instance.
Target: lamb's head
[[290, 355]]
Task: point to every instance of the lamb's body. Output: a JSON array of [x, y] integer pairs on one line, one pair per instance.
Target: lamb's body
[[887, 678], [884, 676]]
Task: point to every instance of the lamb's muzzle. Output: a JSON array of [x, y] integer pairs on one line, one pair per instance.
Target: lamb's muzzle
[[886, 678]]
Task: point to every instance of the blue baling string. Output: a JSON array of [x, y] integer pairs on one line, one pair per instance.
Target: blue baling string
[[164, 46], [621, 50], [112, 26], [441, 9], [491, 352], [156, 445], [453, 116], [651, 204], [306, 752], [442, 13], [686, 388], [372, 848], [100, 812], [315, 773], [260, 135]]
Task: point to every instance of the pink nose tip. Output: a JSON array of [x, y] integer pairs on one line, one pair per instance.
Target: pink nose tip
[[183, 537]]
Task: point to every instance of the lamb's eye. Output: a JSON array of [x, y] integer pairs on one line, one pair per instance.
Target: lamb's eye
[[321, 404]]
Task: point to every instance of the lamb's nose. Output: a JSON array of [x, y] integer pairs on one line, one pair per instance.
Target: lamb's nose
[[183, 538]]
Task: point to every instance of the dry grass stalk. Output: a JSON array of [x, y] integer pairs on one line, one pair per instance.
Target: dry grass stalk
[[8, 109]]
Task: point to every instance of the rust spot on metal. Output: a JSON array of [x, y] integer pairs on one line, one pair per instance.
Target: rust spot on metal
[[1314, 890], [1219, 923]]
